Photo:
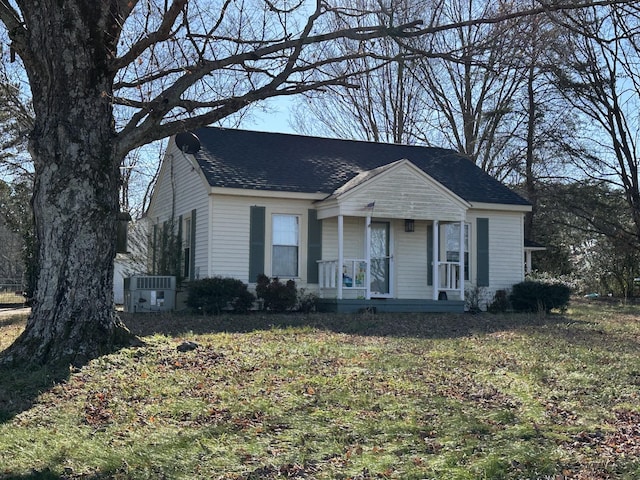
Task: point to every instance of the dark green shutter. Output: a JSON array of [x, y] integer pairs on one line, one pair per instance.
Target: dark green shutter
[[179, 266], [429, 254], [154, 250], [314, 246], [482, 227], [192, 247], [256, 242]]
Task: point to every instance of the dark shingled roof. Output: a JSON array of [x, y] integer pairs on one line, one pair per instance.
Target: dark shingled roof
[[295, 163]]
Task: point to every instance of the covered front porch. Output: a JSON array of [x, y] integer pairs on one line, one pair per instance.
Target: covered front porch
[[393, 239], [374, 281]]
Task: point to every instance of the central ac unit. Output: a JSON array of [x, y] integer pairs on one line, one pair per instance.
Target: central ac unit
[[149, 294]]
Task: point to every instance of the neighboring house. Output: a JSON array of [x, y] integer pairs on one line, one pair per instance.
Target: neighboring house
[[395, 227], [529, 247], [134, 261]]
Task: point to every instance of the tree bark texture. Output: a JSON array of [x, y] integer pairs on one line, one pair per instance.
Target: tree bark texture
[[75, 200]]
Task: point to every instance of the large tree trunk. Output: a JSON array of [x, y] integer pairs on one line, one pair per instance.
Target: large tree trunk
[[77, 177]]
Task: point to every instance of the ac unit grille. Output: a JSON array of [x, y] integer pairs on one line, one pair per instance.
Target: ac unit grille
[[153, 283], [149, 293]]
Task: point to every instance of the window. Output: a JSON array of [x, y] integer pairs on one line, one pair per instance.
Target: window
[[286, 234], [452, 243], [186, 247]]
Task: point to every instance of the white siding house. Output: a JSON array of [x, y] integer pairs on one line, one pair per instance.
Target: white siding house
[[363, 225]]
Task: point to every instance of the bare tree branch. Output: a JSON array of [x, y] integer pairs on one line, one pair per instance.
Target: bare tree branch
[[162, 33]]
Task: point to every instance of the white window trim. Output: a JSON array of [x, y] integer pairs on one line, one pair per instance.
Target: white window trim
[[298, 241], [443, 240]]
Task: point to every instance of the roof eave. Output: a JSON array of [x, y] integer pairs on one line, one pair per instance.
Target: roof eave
[[510, 207], [247, 192]]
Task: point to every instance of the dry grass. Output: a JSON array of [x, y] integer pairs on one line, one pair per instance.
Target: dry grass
[[340, 397]]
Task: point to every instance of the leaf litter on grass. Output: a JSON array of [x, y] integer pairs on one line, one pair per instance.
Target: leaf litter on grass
[[308, 402]]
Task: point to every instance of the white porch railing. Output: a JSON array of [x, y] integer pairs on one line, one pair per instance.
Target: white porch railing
[[353, 273], [449, 275]]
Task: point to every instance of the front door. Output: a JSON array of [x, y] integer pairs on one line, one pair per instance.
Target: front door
[[380, 260]]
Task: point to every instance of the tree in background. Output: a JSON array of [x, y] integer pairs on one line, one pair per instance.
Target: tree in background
[[589, 237], [598, 75], [478, 87], [547, 128], [16, 121], [454, 88], [108, 77], [17, 258], [473, 90], [10, 254], [385, 103]]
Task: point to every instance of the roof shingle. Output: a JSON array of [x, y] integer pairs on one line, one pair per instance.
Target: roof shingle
[[294, 163]]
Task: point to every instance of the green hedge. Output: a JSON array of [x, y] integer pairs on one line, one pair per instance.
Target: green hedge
[[217, 294], [277, 296], [531, 296]]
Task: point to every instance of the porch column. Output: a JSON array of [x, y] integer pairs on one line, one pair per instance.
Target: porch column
[[528, 262], [340, 254], [436, 259], [461, 260], [367, 257]]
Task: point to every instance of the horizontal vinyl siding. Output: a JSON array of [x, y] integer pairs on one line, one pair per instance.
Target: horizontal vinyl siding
[[506, 249], [353, 238], [230, 234], [411, 261], [402, 193], [330, 238], [230, 238], [185, 192]]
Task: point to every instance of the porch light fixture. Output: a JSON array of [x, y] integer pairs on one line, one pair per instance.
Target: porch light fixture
[[409, 225]]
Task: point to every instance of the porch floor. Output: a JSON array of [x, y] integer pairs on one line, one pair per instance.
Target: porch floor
[[394, 305]]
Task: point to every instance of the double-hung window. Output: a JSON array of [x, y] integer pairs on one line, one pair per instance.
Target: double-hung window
[[452, 242], [285, 245]]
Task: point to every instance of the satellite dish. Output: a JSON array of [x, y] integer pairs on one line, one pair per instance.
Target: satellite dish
[[188, 142]]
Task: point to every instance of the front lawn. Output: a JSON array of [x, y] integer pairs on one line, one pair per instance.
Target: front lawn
[[417, 396]]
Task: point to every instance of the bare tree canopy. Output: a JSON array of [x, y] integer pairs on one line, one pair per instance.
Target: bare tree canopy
[[110, 76], [597, 72]]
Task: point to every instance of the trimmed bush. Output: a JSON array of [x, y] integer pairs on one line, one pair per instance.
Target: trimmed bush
[[217, 294], [277, 296], [531, 296]]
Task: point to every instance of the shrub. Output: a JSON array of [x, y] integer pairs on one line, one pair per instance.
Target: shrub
[[277, 296], [500, 302], [307, 302], [472, 298], [214, 295], [531, 296]]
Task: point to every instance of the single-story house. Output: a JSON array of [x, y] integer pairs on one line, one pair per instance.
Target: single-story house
[[361, 224]]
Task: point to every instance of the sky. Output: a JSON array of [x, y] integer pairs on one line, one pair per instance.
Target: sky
[[276, 119]]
